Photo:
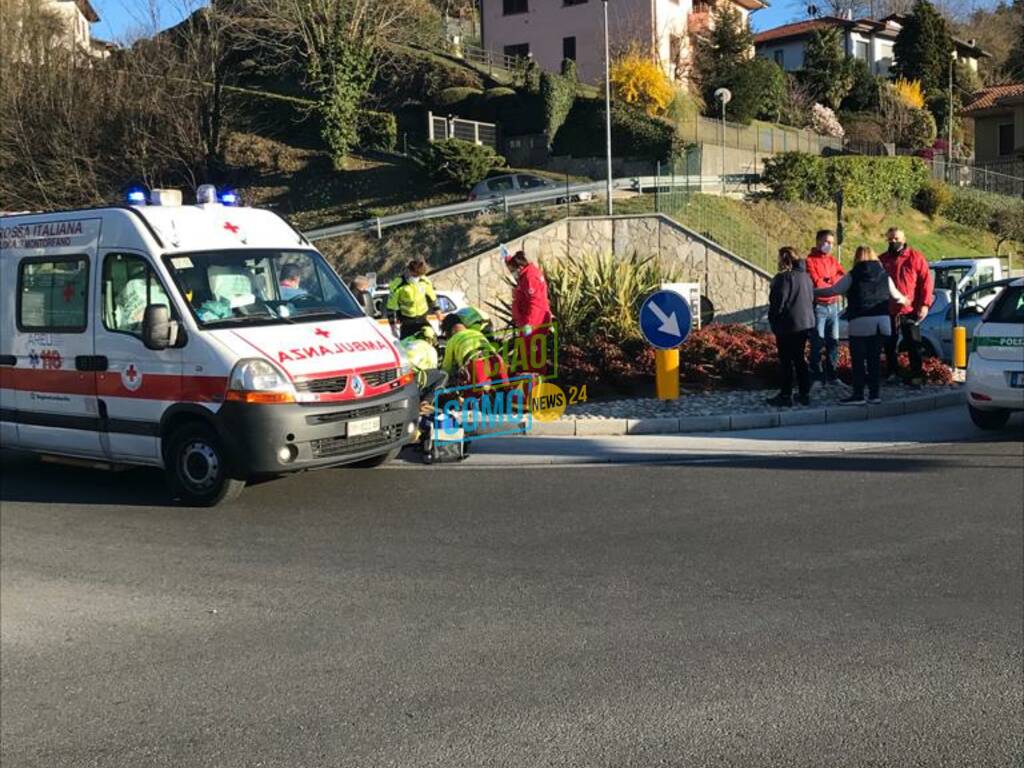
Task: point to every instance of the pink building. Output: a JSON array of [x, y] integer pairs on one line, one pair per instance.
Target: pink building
[[553, 30]]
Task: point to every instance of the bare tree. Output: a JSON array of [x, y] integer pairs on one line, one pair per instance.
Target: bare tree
[[340, 43]]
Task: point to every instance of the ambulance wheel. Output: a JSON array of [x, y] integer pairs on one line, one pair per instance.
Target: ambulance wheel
[[377, 461], [989, 419], [197, 469]]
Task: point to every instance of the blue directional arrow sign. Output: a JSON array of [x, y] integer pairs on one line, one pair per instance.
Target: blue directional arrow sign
[[665, 319]]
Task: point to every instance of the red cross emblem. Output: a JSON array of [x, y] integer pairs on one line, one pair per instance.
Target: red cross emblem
[[322, 332], [131, 373], [232, 228], [69, 293]]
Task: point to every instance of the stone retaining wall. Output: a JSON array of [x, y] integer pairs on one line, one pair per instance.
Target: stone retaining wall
[[737, 288]]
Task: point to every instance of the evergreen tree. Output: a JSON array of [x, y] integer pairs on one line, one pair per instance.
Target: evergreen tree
[[923, 49], [1015, 61], [828, 74], [728, 45]]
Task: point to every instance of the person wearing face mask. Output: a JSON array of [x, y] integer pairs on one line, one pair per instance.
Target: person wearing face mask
[[825, 271], [909, 271], [411, 298]]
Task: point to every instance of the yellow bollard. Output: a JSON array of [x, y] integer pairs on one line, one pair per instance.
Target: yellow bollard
[[959, 347], [666, 373]]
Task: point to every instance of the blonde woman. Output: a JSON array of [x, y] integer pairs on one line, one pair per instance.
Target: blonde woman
[[867, 288]]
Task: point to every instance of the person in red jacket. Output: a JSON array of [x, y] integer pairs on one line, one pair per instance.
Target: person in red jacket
[[825, 271], [909, 271], [531, 311]]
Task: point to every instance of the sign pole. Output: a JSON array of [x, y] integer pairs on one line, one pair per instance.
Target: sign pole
[[666, 374]]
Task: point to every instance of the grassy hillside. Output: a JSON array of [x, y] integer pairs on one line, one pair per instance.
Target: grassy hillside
[[756, 229]]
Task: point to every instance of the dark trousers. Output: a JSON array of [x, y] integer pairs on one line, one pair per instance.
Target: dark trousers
[[866, 352], [910, 333], [411, 325], [793, 358]]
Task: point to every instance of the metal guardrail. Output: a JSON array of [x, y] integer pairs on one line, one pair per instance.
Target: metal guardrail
[[505, 202]]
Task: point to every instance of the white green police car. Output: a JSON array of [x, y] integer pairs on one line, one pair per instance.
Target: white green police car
[[995, 373]]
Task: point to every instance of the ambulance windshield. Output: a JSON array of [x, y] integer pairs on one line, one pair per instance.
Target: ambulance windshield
[[259, 287]]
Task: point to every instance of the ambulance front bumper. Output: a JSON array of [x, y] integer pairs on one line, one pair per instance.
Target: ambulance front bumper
[[273, 439]]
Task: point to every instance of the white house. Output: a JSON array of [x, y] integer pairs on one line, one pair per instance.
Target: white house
[[76, 17], [552, 30], [865, 39]]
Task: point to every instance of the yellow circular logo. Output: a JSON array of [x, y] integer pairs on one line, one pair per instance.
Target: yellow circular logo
[[547, 402]]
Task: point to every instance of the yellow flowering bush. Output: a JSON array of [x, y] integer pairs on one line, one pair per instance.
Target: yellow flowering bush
[[910, 92], [638, 80]]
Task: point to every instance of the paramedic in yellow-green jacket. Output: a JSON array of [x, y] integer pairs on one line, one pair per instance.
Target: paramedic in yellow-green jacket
[[411, 298]]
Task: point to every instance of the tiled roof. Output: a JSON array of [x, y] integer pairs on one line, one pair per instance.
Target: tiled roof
[[993, 97], [790, 30]]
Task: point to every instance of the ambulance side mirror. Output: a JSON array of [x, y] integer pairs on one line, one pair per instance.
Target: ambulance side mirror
[[158, 330]]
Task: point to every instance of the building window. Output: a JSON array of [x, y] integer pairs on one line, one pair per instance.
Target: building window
[[520, 51], [573, 2], [569, 48], [860, 50], [780, 58], [1006, 139], [512, 7], [53, 294]]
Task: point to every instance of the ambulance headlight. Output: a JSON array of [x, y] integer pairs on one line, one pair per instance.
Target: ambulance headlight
[[258, 381], [406, 373]]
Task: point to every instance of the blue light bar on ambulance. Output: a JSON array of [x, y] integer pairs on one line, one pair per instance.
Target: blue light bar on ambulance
[[228, 197], [136, 196]]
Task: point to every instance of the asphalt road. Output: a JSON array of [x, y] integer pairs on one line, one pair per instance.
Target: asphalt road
[[857, 610]]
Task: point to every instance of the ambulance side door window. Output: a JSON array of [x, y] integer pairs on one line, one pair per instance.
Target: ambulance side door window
[[129, 285], [52, 294]]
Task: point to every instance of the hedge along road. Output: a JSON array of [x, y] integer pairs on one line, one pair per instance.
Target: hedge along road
[[778, 611]]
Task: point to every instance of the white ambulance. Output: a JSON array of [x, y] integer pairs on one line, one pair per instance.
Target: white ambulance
[[212, 341]]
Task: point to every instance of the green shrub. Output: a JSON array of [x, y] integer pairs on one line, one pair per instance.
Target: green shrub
[[981, 210], [865, 181], [933, 198], [920, 130], [460, 163], [377, 131], [634, 134], [459, 101], [863, 96], [557, 95], [758, 90], [795, 176]]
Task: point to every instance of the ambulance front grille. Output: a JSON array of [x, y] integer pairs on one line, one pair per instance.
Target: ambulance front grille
[[338, 446], [359, 413], [376, 378], [330, 384]]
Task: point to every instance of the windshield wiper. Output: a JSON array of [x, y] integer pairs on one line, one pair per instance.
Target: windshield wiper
[[323, 313], [239, 319]]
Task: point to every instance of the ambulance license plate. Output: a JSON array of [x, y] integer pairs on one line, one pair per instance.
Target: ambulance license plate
[[363, 426]]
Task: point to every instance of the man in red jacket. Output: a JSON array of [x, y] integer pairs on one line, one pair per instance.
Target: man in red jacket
[[531, 311], [825, 271], [909, 270]]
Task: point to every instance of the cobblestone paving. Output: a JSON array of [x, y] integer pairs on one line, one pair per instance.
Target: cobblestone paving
[[729, 402]]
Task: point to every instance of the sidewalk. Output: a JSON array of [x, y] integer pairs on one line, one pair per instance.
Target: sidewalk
[[942, 426], [737, 410]]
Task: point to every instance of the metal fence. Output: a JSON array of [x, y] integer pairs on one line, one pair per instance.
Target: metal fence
[[977, 177], [758, 137], [490, 60], [450, 127]]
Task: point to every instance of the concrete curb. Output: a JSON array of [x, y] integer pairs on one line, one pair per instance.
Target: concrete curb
[[670, 425]]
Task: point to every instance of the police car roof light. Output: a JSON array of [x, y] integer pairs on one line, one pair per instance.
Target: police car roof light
[[206, 194]]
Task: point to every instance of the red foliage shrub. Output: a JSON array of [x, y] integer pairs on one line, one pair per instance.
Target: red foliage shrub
[[715, 357]]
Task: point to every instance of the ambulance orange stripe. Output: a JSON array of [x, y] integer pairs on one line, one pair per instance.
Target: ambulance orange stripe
[[155, 386]]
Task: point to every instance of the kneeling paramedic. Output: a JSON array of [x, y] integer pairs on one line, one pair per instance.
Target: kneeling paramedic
[[411, 298], [422, 353], [469, 357]]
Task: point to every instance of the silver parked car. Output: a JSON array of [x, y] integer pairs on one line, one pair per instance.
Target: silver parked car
[[511, 184], [937, 327]]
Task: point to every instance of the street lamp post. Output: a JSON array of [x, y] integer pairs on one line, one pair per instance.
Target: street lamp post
[[949, 122], [724, 96], [607, 110]]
